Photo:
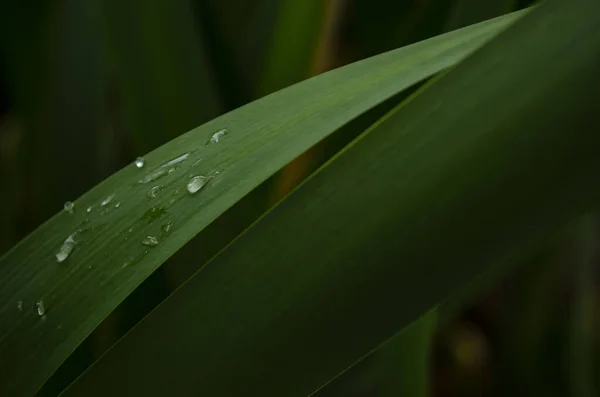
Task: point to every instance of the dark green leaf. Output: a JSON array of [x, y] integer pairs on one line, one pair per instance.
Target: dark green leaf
[[462, 176], [109, 260]]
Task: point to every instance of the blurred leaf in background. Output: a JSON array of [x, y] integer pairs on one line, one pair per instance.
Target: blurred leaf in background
[[165, 78]]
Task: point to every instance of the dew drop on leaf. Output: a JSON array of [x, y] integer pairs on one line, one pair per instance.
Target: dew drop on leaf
[[40, 308], [197, 183], [154, 192], [69, 206], [216, 137], [66, 248], [139, 162], [150, 241], [107, 200], [133, 259], [20, 305], [164, 169], [167, 227]]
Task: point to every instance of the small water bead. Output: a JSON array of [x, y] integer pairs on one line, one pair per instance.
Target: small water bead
[[107, 200], [139, 162], [69, 206], [118, 205], [40, 308], [133, 259], [89, 209], [66, 248], [154, 192], [217, 136], [150, 241], [20, 305], [197, 183], [167, 227]]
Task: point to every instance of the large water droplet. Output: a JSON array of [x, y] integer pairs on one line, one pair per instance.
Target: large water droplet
[[139, 162], [150, 241], [197, 183], [69, 206], [66, 248], [40, 308], [217, 136], [164, 169], [107, 200], [20, 305], [154, 192]]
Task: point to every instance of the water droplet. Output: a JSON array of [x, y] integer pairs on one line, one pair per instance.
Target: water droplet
[[164, 169], [217, 136], [66, 248], [154, 192], [40, 308], [69, 206], [154, 213], [139, 162], [107, 200], [118, 205], [150, 241], [89, 209], [197, 183], [20, 305], [133, 259], [167, 227]]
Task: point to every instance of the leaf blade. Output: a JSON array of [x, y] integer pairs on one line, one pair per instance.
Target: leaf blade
[[95, 279], [265, 308]]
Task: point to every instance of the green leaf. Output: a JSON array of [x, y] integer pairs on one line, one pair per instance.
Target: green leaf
[[109, 260], [405, 364], [462, 176]]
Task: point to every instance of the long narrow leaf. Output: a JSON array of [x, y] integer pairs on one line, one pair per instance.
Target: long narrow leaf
[[119, 232], [462, 176]]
